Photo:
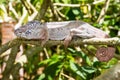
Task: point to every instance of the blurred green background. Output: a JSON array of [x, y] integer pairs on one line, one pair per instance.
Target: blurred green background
[[55, 63]]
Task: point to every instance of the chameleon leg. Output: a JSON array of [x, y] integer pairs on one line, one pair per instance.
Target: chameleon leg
[[77, 32], [68, 39], [44, 37], [81, 33]]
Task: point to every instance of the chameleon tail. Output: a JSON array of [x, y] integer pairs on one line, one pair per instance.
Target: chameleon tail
[[104, 54]]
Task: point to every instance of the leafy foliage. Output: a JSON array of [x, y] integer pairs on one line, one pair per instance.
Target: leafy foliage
[[67, 64]]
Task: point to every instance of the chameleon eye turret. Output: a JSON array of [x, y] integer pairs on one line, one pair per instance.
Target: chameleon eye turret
[[18, 32], [28, 32]]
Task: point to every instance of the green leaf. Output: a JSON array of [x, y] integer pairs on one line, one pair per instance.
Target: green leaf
[[53, 70], [41, 77], [2, 1], [76, 70], [88, 69], [66, 1], [71, 50], [55, 58], [82, 55], [76, 11], [2, 13]]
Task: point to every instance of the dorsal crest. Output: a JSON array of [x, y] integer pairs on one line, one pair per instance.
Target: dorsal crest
[[33, 24]]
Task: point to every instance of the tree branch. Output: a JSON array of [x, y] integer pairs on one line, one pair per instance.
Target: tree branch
[[38, 48], [10, 62], [111, 74], [8, 45], [92, 41], [19, 63]]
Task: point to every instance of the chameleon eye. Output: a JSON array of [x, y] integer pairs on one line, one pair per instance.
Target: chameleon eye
[[40, 22], [28, 32]]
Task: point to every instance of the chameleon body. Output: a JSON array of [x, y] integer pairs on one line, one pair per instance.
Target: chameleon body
[[64, 31], [58, 31]]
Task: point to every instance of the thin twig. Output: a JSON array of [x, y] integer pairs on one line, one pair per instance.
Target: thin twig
[[43, 9], [13, 10], [26, 5], [21, 19], [6, 18], [77, 5], [69, 77], [34, 14], [56, 17], [60, 14], [28, 8], [103, 12], [46, 53]]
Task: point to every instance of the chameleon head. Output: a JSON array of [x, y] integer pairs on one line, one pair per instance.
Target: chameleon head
[[31, 30]]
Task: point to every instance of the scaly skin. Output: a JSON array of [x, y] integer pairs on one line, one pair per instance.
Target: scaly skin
[[58, 31], [63, 31]]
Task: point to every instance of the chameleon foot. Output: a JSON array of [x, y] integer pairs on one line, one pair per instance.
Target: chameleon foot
[[67, 40]]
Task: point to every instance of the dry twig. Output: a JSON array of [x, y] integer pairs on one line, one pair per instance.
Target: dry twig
[[103, 12]]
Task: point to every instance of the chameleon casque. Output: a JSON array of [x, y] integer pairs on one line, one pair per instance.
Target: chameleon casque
[[58, 31]]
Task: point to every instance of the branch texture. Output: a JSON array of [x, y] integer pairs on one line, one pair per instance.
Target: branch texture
[[111, 74], [76, 42]]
